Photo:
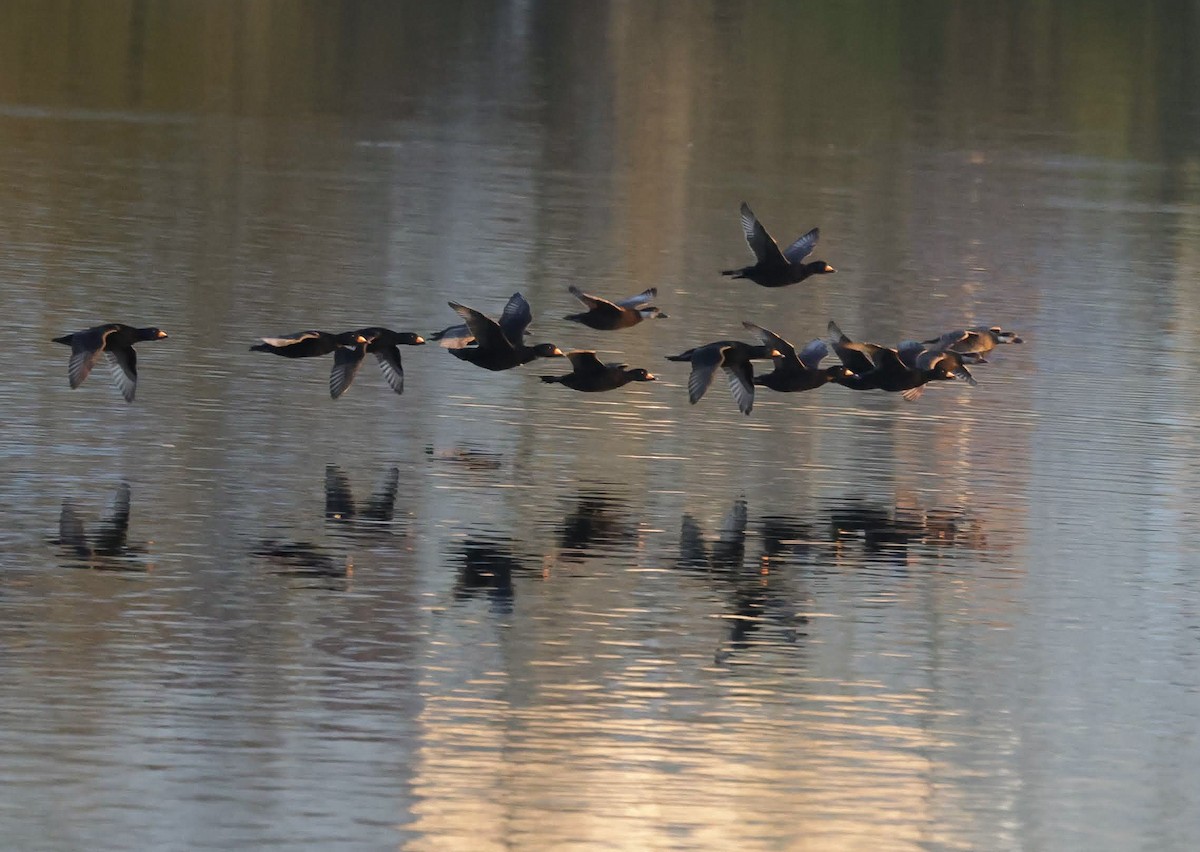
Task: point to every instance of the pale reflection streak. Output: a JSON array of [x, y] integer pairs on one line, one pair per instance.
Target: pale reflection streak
[[544, 745], [573, 771]]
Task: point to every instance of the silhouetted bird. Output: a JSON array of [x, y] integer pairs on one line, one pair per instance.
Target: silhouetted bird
[[604, 315], [974, 342], [796, 372], [114, 340], [905, 370], [591, 376], [500, 345], [775, 268], [305, 344], [734, 358], [381, 342]]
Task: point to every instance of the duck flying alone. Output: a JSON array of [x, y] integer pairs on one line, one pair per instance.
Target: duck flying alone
[[114, 340], [733, 357], [500, 344], [772, 267], [796, 371], [589, 375], [604, 315]]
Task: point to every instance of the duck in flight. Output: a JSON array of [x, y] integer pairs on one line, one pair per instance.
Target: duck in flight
[[305, 344], [500, 344], [733, 357], [775, 268], [974, 342], [590, 375], [604, 315], [114, 340], [796, 371], [382, 343], [904, 370]]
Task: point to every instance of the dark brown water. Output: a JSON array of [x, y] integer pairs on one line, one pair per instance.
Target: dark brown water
[[610, 621]]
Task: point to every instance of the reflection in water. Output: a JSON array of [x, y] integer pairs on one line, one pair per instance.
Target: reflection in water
[[241, 167], [470, 458], [487, 568], [890, 531], [108, 547], [596, 521], [727, 551], [339, 499], [784, 536], [305, 561], [755, 594]]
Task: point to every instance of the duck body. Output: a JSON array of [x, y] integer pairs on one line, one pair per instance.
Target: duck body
[[382, 343], [379, 338], [589, 375], [974, 342], [116, 341], [604, 315], [305, 344], [904, 370], [498, 360], [795, 372], [731, 356], [500, 344], [775, 268]]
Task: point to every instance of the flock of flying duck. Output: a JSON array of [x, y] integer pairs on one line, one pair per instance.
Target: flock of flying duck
[[499, 344]]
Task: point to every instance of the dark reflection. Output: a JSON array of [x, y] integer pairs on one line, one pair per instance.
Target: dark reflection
[[784, 536], [726, 552], [855, 518], [303, 560], [890, 531], [108, 547], [487, 570], [755, 594], [339, 499], [595, 520], [468, 457]]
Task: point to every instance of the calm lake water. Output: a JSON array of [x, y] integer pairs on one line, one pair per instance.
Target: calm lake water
[[611, 621]]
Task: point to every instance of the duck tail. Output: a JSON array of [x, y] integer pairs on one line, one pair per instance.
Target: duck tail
[[734, 273], [550, 380], [261, 347], [65, 339]]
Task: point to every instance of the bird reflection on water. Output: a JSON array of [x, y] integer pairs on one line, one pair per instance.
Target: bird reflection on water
[[468, 457], [888, 532], [108, 547], [302, 560], [487, 569], [762, 587], [596, 520], [341, 507], [755, 595]]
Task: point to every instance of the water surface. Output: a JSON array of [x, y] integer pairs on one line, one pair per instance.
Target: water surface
[[611, 621]]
